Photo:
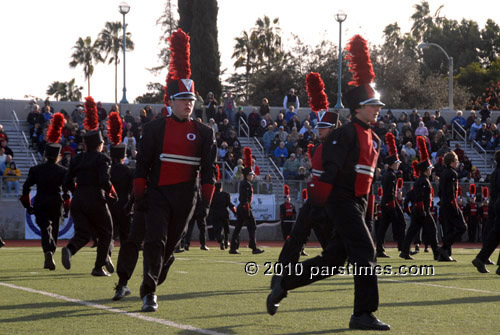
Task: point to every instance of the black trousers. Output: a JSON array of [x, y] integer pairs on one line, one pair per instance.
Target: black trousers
[[48, 219], [286, 227], [200, 221], [351, 240], [129, 248], [244, 218], [453, 226], [396, 217], [90, 213], [169, 210], [221, 226], [121, 221], [492, 239], [472, 228], [310, 218], [425, 223]]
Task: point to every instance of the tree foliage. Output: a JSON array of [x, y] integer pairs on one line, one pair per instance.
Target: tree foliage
[[86, 53], [65, 91]]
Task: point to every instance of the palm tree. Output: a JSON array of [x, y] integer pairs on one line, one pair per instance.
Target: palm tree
[[269, 41], [86, 54], [245, 52], [74, 92], [65, 90], [423, 21], [57, 89], [110, 41]]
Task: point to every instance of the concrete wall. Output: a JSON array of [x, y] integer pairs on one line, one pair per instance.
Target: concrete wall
[[11, 219], [21, 108]]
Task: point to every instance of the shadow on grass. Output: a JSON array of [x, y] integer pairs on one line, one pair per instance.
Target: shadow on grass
[[328, 331], [454, 301], [51, 315], [44, 275]]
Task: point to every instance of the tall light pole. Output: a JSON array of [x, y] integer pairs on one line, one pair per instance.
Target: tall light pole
[[124, 8], [425, 45], [340, 17]]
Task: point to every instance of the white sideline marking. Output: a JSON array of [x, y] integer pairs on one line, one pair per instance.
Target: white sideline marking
[[114, 310], [441, 286]]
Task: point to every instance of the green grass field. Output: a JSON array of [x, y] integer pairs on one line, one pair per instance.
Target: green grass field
[[210, 292]]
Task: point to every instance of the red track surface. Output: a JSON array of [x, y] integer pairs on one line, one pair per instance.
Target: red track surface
[[213, 244]]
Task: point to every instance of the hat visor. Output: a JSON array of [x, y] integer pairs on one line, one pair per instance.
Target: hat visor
[[372, 102], [324, 125], [184, 96]]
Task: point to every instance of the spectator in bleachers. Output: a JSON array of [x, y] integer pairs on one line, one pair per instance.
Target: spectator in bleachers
[[269, 119], [421, 130], [266, 187], [67, 148], [101, 112], [254, 121], [275, 142], [470, 120], [291, 167], [302, 174], [255, 167], [220, 116], [211, 105], [213, 125], [426, 118], [267, 139], [34, 117], [380, 130], [11, 178], [280, 118], [262, 129], [312, 118], [483, 136], [476, 126], [291, 100], [8, 151], [282, 133], [131, 144], [495, 136], [294, 134], [3, 134], [222, 150], [239, 115], [390, 117], [433, 123], [231, 162], [463, 175], [280, 154], [405, 166], [264, 107], [459, 119], [66, 159], [305, 126], [437, 141], [410, 152], [460, 152], [225, 128], [5, 161], [475, 174], [443, 150], [440, 119], [414, 118], [236, 149], [485, 112], [290, 113], [237, 170], [303, 142], [294, 123], [230, 106], [77, 116], [403, 119]]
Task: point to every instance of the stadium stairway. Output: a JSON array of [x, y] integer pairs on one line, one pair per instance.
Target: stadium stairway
[[481, 160]]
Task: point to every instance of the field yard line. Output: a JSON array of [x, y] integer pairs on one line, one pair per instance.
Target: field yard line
[[114, 310], [441, 286]]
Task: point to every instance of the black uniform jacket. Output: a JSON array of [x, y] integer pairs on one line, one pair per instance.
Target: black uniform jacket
[[48, 177]]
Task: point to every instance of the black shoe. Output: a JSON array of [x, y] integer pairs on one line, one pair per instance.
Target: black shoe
[[489, 262], [99, 272], [444, 256], [405, 255], [178, 250], [2, 243], [382, 254], [149, 303], [234, 252], [480, 266], [204, 247], [417, 248], [66, 258], [426, 249], [274, 298], [367, 321], [109, 266], [49, 261], [222, 247], [121, 291], [186, 247], [226, 245], [303, 253], [257, 251]]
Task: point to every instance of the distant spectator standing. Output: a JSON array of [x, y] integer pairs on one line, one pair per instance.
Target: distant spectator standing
[[291, 99], [254, 121], [220, 116], [414, 118], [264, 108], [290, 113], [267, 139], [476, 126], [198, 106], [230, 106], [470, 120], [211, 105], [101, 112], [485, 112], [440, 119]]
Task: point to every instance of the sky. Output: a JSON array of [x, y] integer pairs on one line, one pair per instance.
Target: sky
[[37, 37]]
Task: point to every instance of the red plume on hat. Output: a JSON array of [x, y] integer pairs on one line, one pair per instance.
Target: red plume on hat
[[472, 190], [416, 171], [380, 192], [55, 128], [218, 174], [179, 65], [286, 190], [391, 143], [310, 146], [360, 64], [304, 194], [316, 92], [247, 157], [91, 121], [485, 192], [422, 148], [399, 183], [115, 128]]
